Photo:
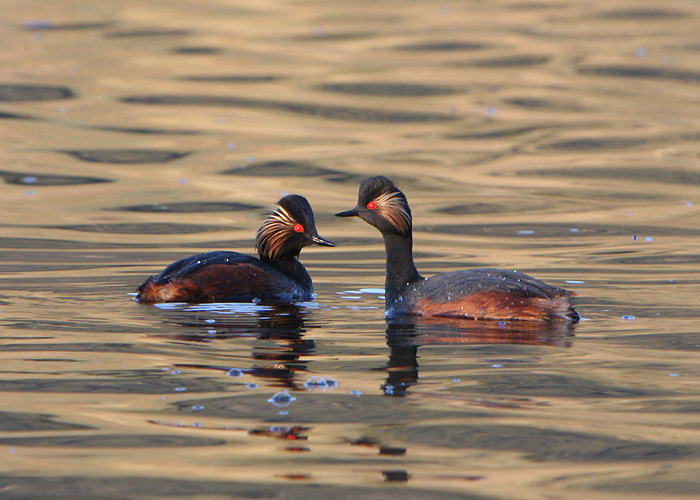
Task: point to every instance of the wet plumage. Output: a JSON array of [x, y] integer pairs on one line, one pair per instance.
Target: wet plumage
[[276, 276], [472, 293]]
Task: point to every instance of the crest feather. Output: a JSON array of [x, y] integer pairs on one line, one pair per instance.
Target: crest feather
[[274, 233], [393, 207]]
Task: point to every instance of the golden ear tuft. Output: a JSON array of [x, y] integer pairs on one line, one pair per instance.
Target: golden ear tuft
[[393, 207]]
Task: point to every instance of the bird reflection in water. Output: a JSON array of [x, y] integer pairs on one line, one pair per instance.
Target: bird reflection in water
[[405, 334], [280, 348]]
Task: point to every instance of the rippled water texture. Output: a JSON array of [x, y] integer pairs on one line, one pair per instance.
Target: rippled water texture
[[558, 138]]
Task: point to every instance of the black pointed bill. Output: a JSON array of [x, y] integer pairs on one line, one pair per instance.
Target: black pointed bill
[[349, 213], [321, 241]]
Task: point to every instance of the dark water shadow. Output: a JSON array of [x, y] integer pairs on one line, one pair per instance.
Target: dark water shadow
[[555, 230], [666, 175], [505, 207], [404, 335], [230, 78], [444, 46], [24, 93], [285, 168], [201, 50], [148, 33], [593, 144], [387, 89], [15, 116], [280, 349], [337, 36], [635, 71], [149, 228], [343, 113], [191, 207], [34, 422], [126, 156], [45, 25], [641, 14], [112, 441], [76, 487], [513, 61], [34, 179], [538, 103], [143, 130], [543, 444]]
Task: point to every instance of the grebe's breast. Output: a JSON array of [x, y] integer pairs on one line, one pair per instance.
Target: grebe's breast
[[222, 276], [486, 294]]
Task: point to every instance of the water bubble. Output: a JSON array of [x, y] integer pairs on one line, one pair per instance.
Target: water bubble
[[574, 230], [231, 145], [281, 399], [210, 321], [496, 366], [196, 424], [12, 451], [30, 179], [252, 385], [30, 193], [250, 159], [673, 375], [489, 112], [283, 413], [164, 369], [502, 324], [197, 407], [234, 372], [182, 181], [176, 372], [180, 389], [526, 231], [689, 203], [649, 238], [356, 393], [627, 317], [256, 300], [317, 382], [456, 380]]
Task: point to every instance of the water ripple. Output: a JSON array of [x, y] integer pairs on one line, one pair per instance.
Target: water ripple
[[126, 155], [23, 93], [319, 110]]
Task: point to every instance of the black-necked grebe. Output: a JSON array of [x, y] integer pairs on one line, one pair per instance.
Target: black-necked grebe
[[276, 277], [472, 293]]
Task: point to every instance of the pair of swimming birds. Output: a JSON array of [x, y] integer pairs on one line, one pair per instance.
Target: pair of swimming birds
[[277, 276]]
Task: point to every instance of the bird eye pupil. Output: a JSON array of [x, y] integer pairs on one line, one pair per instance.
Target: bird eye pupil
[[371, 205], [299, 228]]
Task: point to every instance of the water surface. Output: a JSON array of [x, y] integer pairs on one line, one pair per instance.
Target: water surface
[[559, 139]]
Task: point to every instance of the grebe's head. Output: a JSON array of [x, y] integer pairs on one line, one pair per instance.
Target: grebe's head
[[383, 205], [288, 229]]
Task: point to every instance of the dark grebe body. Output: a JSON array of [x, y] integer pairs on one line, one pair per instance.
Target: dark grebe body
[[474, 293], [276, 277]]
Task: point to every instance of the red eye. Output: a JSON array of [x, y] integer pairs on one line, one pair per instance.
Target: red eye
[[371, 205], [299, 228]]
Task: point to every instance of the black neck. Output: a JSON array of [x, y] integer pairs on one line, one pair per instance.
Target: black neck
[[400, 270], [290, 266]]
